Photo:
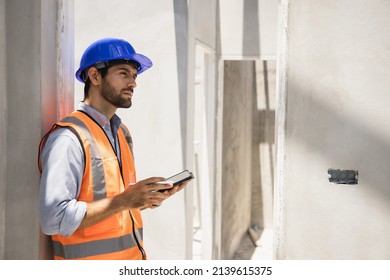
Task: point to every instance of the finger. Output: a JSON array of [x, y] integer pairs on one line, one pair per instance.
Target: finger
[[152, 180], [158, 199], [182, 186], [172, 190], [160, 186]]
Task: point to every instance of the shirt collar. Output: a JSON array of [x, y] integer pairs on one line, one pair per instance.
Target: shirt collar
[[100, 118]]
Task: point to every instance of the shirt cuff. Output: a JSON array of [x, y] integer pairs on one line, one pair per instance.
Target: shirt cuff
[[73, 217]]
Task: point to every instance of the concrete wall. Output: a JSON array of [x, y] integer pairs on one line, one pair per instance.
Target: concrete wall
[[248, 29], [3, 125], [236, 31], [247, 32], [37, 51], [202, 125], [22, 130], [263, 146], [239, 86], [34, 62], [334, 79]]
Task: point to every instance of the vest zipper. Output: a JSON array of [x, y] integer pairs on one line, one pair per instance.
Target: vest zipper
[[142, 250]]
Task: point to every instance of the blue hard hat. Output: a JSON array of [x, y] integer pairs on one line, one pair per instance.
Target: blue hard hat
[[109, 49]]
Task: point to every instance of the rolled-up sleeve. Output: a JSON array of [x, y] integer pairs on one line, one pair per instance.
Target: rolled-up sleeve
[[62, 171]]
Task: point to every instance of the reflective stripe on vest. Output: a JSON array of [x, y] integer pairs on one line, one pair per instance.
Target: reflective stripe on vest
[[99, 182], [117, 237], [94, 248]]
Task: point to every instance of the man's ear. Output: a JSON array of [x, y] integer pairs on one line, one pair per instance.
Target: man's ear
[[93, 75]]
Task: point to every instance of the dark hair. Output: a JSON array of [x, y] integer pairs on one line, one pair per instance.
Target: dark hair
[[87, 85]]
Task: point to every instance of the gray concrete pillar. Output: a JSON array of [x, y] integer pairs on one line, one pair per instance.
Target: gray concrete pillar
[[239, 83], [3, 126], [36, 58]]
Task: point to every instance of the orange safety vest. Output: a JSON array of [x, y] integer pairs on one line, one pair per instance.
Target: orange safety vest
[[119, 236]]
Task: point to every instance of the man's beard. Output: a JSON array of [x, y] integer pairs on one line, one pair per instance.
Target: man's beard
[[115, 98]]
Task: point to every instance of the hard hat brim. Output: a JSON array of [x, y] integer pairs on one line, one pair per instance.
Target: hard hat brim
[[144, 62]]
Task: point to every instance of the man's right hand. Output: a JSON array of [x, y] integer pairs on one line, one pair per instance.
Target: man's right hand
[[145, 193]]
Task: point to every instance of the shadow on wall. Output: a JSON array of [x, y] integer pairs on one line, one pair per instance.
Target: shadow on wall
[[319, 128], [335, 221], [251, 33], [263, 140], [181, 36], [262, 165]]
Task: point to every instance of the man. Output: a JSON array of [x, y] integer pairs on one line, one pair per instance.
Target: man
[[90, 200]]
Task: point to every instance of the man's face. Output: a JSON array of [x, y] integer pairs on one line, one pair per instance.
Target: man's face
[[118, 85]]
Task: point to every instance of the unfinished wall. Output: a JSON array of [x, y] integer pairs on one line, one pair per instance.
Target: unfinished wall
[[34, 66], [248, 33], [263, 146], [239, 84], [335, 81], [22, 39], [248, 29], [3, 125]]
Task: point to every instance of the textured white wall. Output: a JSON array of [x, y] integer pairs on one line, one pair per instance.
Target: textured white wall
[[236, 148], [337, 117], [248, 28]]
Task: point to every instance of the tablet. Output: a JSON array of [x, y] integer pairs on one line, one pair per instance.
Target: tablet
[[177, 179]]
